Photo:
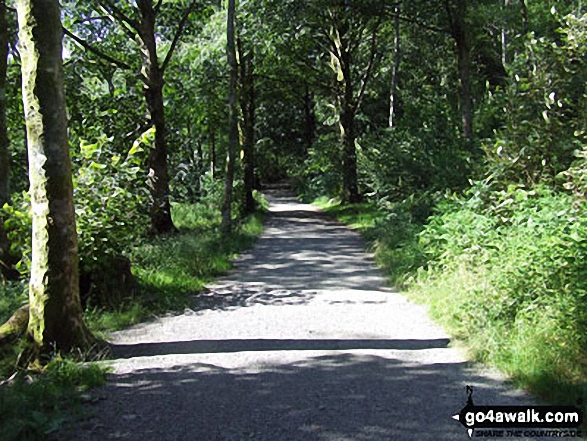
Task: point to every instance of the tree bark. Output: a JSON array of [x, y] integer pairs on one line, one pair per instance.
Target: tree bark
[[7, 270], [247, 103], [55, 310], [212, 139], [396, 63], [457, 14], [350, 189], [309, 119], [525, 23], [161, 221], [232, 120]]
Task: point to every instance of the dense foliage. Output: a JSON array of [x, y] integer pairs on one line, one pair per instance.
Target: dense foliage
[[459, 124], [492, 237]]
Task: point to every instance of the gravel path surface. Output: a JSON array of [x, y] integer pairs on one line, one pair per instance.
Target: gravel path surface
[[301, 341]]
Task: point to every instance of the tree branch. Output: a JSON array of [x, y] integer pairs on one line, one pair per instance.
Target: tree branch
[[140, 129], [157, 7], [177, 35], [117, 12], [423, 25], [130, 27], [89, 19], [96, 51], [367, 75]]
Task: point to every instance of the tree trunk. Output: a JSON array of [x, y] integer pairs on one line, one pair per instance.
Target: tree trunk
[[161, 221], [504, 37], [212, 137], [310, 119], [350, 189], [55, 310], [232, 120], [460, 33], [525, 23], [396, 63], [247, 103], [7, 270]]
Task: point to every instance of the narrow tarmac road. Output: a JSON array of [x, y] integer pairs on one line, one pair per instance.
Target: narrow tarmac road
[[301, 341]]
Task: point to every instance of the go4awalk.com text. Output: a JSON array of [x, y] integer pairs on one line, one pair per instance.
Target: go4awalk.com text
[[520, 421]]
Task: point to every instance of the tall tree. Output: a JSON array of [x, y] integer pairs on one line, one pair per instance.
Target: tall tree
[[138, 22], [343, 30], [55, 309], [457, 11], [161, 221], [396, 62], [247, 104], [232, 119], [6, 268]]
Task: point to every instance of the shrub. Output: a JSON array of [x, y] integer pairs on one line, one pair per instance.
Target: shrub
[[111, 199], [508, 273]]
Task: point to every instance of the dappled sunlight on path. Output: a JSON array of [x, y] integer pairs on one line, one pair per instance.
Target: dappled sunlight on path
[[302, 340]]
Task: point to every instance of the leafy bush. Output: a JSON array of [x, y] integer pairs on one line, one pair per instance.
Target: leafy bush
[[575, 177], [111, 199], [320, 173], [507, 272], [543, 108], [397, 164], [18, 225]]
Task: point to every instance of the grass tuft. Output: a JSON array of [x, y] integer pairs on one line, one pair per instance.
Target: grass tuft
[[34, 406]]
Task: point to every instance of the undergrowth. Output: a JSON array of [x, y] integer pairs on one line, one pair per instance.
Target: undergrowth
[[34, 406], [169, 270], [505, 271]]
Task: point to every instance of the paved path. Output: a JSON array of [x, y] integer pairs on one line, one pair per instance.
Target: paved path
[[302, 341]]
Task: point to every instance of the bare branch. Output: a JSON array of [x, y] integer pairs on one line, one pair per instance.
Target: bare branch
[[367, 75], [96, 51], [177, 35]]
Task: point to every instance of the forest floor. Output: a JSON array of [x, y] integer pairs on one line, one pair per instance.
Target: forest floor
[[302, 340]]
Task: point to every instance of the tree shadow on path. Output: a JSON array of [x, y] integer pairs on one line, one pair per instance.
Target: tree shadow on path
[[335, 397], [365, 386], [254, 345]]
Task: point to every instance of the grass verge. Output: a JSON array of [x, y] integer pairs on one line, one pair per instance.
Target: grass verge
[[510, 286], [173, 268], [169, 270], [34, 406]]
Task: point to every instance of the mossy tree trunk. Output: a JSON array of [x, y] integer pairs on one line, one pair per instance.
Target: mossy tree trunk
[[55, 319], [352, 62], [232, 120], [346, 109]]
